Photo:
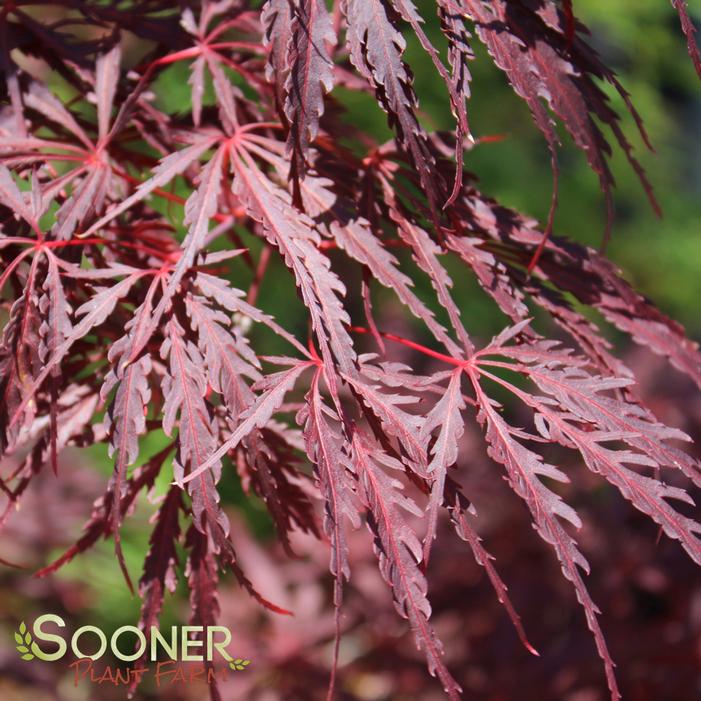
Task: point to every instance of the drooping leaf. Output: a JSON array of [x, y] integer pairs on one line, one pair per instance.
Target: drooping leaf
[[376, 48], [106, 79], [524, 469], [398, 550], [294, 235], [689, 30], [126, 420], [446, 414], [310, 75]]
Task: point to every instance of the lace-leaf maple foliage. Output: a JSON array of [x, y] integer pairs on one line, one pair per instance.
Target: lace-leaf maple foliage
[[121, 294]]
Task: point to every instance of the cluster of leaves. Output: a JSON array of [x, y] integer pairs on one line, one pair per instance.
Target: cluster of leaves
[[108, 307]]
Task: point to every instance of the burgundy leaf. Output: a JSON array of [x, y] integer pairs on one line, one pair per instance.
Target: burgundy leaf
[[12, 198], [376, 48], [294, 235], [274, 387], [324, 443], [20, 361], [396, 422], [221, 292], [446, 415], [39, 98], [359, 242], [184, 388], [93, 313], [54, 330], [333, 466], [398, 550], [160, 564], [426, 253], [88, 197], [689, 32], [201, 573], [168, 168], [277, 21], [106, 78], [458, 506], [127, 421], [524, 469], [199, 209], [310, 75]]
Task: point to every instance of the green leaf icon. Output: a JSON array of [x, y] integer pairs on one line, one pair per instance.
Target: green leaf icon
[[23, 638], [239, 664]]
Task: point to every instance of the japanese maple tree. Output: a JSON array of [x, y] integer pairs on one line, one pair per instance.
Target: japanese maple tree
[[129, 306]]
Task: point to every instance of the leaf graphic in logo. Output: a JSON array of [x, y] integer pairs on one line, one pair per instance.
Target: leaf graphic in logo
[[239, 664], [23, 638]]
